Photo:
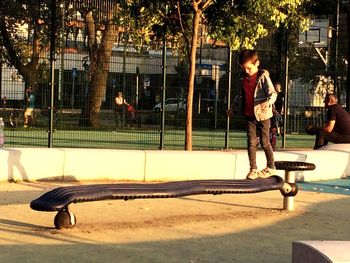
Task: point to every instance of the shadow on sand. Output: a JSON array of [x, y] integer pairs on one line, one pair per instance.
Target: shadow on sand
[[271, 243]]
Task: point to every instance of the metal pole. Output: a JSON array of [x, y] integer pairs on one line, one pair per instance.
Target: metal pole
[[216, 83], [229, 83], [1, 82], [288, 201], [72, 95], [61, 76], [137, 87], [162, 123], [200, 47], [124, 83], [52, 69], [285, 106], [348, 60], [336, 82]]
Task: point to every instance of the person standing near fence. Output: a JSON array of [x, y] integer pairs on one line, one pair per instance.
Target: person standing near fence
[[29, 104], [279, 106], [276, 120], [119, 110], [257, 97]]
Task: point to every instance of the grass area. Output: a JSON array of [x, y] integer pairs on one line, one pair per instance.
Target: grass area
[[137, 139]]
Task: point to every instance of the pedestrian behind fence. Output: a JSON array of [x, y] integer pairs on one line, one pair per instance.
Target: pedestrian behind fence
[[119, 110]]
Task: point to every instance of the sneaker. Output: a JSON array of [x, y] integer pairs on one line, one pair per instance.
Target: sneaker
[[25, 126], [253, 174], [267, 172]]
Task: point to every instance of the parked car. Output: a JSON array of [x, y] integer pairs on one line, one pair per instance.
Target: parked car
[[208, 105], [172, 104]]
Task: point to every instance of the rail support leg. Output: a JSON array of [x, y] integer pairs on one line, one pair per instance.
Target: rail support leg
[[65, 219], [288, 196]]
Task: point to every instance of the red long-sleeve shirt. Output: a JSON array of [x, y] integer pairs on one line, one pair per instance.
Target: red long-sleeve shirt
[[249, 84]]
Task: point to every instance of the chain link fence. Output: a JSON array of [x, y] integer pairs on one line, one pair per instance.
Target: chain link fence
[[134, 122]]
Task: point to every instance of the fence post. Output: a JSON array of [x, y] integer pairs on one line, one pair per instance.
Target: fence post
[[348, 59], [285, 106], [162, 110], [61, 75], [229, 83], [52, 69], [137, 87], [124, 84]]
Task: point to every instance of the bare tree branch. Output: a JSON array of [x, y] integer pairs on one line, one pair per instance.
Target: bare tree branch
[[187, 40], [12, 53], [206, 4]]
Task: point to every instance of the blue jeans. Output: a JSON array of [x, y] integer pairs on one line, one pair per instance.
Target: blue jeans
[[259, 130]]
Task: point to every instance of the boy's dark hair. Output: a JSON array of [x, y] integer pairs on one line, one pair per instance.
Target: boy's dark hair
[[248, 55]]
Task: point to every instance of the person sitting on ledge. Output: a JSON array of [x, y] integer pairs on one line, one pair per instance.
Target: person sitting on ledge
[[337, 128]]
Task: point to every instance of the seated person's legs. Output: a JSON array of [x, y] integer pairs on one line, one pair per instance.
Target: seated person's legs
[[320, 136], [320, 139], [337, 137], [312, 130]]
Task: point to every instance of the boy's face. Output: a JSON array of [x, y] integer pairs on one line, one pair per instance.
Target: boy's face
[[250, 67]]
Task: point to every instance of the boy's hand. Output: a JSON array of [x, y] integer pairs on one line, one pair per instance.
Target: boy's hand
[[229, 112]]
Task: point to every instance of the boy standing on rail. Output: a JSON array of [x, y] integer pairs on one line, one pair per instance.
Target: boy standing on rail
[[257, 96]]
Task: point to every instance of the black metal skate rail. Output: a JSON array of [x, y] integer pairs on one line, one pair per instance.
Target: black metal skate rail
[[60, 198]]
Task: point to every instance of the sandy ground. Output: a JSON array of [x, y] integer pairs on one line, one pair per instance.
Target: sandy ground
[[205, 228]]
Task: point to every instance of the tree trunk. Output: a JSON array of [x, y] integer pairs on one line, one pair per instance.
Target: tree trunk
[[99, 77], [98, 71], [190, 87]]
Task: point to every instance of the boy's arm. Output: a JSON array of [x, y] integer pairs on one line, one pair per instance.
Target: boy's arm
[[270, 90], [234, 107]]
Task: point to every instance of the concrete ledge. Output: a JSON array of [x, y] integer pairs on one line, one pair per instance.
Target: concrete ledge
[[137, 165], [341, 147], [321, 251], [28, 164], [181, 165], [329, 164], [92, 164]]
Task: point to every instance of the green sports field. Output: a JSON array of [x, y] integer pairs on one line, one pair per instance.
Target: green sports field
[[137, 139]]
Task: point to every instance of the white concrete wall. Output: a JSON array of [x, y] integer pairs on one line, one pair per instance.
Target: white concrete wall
[[332, 162], [92, 164], [181, 165], [28, 164]]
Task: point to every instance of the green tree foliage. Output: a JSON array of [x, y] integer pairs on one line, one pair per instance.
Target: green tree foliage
[[24, 37], [241, 23], [238, 23]]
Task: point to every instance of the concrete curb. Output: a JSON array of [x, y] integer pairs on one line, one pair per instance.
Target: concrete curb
[[35, 164]]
